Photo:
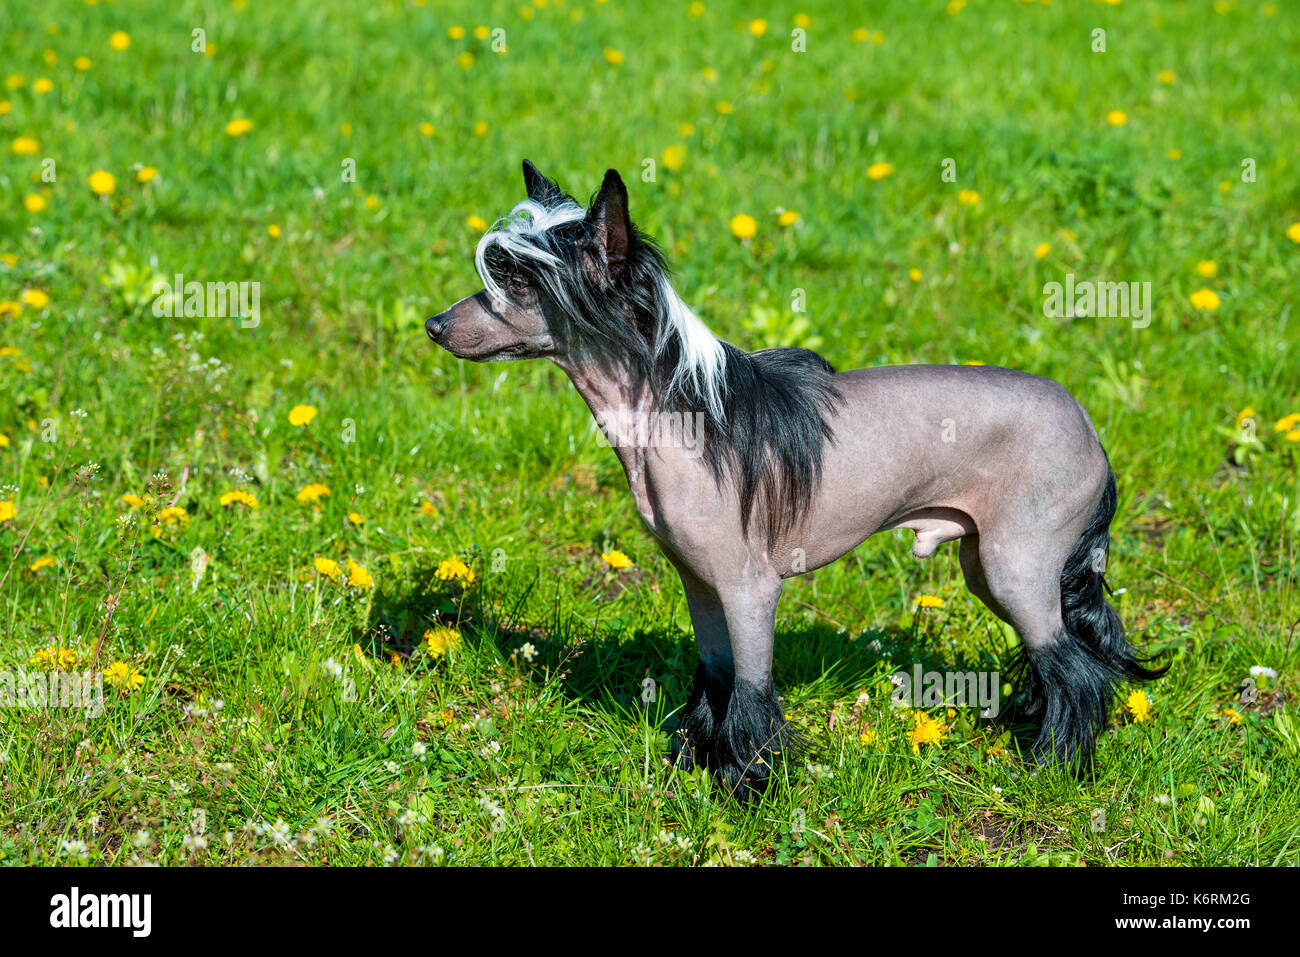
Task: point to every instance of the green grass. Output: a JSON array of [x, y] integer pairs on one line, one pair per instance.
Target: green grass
[[1205, 540]]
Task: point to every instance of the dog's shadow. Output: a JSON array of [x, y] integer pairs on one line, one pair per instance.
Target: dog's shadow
[[620, 669]]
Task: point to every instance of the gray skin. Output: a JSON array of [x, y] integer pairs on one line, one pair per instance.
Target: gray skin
[[1007, 462]]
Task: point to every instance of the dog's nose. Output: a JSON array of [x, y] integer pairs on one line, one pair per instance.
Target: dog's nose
[[436, 326]]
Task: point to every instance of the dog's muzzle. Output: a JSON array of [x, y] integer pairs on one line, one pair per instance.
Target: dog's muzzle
[[436, 326]]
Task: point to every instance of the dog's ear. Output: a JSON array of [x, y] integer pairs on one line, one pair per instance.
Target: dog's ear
[[608, 216], [540, 189]]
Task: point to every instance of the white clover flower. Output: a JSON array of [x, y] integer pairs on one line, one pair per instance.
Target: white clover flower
[[527, 651], [1262, 671]]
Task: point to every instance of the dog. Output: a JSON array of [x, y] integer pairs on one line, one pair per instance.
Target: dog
[[797, 465]]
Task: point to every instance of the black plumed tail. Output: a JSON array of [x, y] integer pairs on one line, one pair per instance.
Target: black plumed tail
[[1070, 683]]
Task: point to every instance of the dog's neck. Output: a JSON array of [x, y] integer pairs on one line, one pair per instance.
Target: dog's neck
[[613, 393]]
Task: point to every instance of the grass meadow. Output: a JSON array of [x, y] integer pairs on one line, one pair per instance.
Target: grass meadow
[[356, 602]]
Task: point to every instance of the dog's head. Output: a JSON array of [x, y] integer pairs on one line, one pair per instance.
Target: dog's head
[[546, 266]]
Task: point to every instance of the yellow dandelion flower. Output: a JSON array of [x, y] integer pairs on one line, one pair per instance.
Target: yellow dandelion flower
[[1177, 154], [1207, 268], [173, 515], [456, 33], [1247, 413], [4, 441], [758, 27], [476, 223], [464, 59], [926, 730], [725, 107], [675, 157], [1293, 232], [313, 492], [45, 561], [929, 601], [135, 501], [273, 231], [36, 298], [1139, 706], [122, 675], [1205, 299], [54, 656], [302, 414], [102, 183], [453, 569], [879, 170], [744, 226], [1116, 117], [616, 559], [802, 21], [613, 56], [482, 32], [43, 84], [327, 567], [238, 127], [82, 63], [34, 203], [1286, 423], [429, 509], [1041, 250], [481, 128], [1167, 76], [356, 518], [861, 35], [238, 497], [119, 40], [788, 217], [968, 197], [358, 577], [1232, 715], [914, 274], [8, 511], [25, 146], [426, 128], [146, 174], [867, 737], [14, 81], [441, 641], [955, 7]]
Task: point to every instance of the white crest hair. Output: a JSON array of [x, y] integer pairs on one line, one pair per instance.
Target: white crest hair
[[523, 234], [700, 374], [701, 364]]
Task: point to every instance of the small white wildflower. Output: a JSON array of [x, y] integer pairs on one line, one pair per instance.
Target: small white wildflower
[[332, 668], [528, 651]]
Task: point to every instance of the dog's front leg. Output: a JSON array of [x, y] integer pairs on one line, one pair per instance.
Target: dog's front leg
[[733, 722]]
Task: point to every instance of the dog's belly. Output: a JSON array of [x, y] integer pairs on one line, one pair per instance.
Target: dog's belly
[[945, 451]]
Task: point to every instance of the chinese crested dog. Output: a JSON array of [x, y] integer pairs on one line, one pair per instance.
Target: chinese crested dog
[[797, 465]]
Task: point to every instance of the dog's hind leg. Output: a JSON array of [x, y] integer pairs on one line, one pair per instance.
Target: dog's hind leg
[[1065, 689], [1048, 584], [734, 722]]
